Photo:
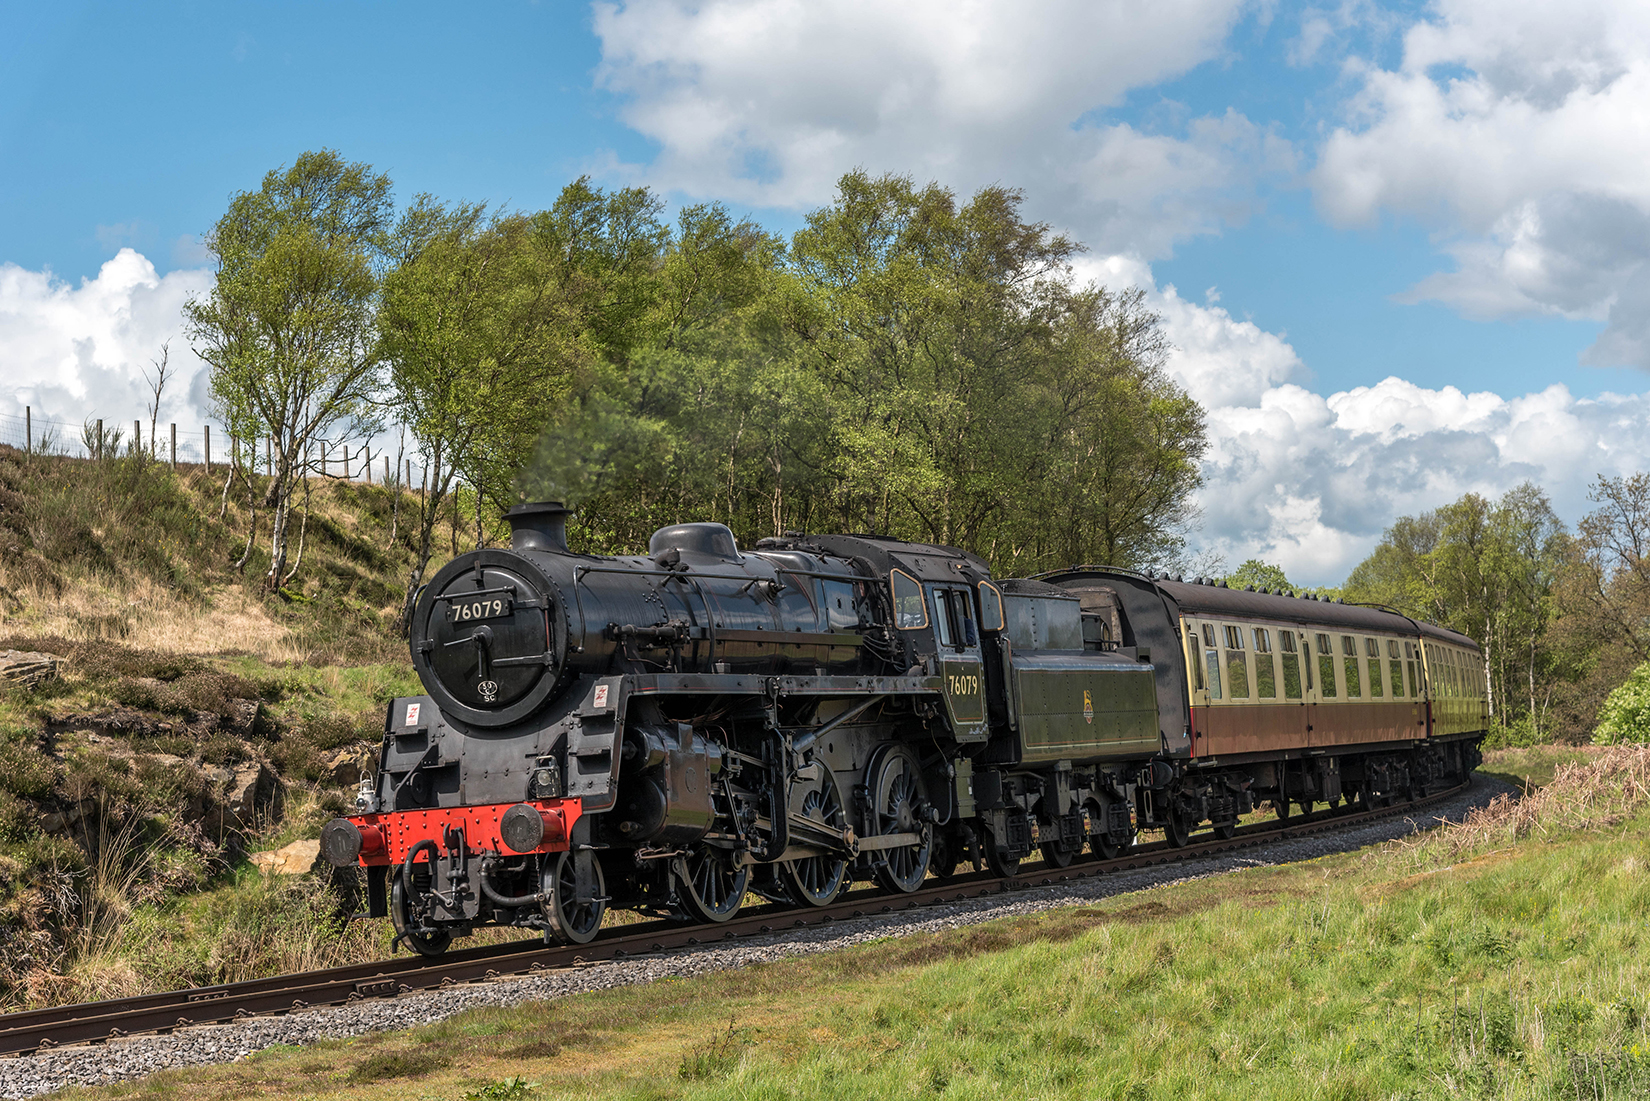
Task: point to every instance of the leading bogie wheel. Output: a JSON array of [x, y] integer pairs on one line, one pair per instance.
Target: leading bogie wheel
[[899, 804], [1225, 831], [708, 886], [572, 920], [421, 939]]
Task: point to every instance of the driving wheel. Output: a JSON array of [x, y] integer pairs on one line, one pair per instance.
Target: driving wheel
[[817, 880], [708, 886], [899, 805]]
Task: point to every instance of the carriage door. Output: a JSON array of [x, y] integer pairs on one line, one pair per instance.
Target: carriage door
[[957, 630]]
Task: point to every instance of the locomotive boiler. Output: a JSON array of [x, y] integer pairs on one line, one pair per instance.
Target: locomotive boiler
[[671, 732]]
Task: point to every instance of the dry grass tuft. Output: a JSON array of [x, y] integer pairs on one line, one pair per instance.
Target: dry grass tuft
[[1610, 784]]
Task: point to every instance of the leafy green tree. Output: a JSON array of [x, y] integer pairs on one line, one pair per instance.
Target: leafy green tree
[[482, 340], [287, 329], [1484, 568], [1624, 719], [1262, 575]]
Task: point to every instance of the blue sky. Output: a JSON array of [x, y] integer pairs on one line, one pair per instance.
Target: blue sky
[[1342, 210]]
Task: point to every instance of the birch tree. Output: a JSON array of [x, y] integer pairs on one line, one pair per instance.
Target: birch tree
[[287, 331]]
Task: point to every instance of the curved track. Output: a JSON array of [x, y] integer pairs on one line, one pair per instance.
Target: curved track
[[39, 1029]]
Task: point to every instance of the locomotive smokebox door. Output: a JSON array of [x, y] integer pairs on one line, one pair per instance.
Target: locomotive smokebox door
[[957, 633]]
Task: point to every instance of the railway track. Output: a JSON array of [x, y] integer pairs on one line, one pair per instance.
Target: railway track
[[90, 1022]]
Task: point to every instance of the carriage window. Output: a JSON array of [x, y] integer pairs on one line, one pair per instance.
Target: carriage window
[[1211, 660], [1266, 683], [1234, 638], [1191, 656], [1237, 670], [1326, 667], [1372, 648], [1395, 668], [1349, 665], [909, 613], [1291, 665], [991, 607]]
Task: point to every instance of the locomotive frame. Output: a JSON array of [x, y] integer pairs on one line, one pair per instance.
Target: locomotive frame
[[673, 732]]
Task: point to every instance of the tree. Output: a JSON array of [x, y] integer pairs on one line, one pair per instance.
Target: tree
[[481, 338], [1262, 575], [287, 330], [1484, 568]]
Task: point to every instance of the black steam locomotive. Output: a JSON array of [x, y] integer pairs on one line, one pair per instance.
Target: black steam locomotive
[[674, 731]]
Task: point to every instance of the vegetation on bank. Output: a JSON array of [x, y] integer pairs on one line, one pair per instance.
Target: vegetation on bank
[[1502, 957]]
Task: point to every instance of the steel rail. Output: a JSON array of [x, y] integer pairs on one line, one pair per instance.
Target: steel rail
[[89, 1022]]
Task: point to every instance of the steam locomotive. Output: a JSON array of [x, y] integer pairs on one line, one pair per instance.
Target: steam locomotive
[[672, 732]]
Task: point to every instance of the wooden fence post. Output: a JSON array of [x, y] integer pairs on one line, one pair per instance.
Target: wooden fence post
[[28, 430], [208, 450], [174, 446], [100, 438], [269, 456], [366, 462], [386, 469], [137, 438]]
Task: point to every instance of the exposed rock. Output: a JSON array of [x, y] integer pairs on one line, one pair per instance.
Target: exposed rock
[[294, 859], [25, 668], [345, 766], [251, 789], [242, 717]]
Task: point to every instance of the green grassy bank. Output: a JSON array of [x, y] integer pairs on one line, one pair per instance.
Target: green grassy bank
[[1498, 958]]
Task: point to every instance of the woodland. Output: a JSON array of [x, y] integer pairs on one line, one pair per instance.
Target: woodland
[[906, 363]]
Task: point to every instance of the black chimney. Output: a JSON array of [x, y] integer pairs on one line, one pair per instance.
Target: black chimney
[[541, 525]]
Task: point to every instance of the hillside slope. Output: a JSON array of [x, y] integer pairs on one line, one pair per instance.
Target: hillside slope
[[190, 720]]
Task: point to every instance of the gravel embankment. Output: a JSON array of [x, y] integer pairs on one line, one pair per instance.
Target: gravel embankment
[[118, 1060]]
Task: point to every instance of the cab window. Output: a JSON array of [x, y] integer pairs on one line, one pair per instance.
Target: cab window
[[991, 607], [909, 613]]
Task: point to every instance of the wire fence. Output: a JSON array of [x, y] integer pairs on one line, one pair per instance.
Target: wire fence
[[349, 460]]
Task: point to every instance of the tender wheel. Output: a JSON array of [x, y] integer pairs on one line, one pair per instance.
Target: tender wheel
[[707, 886], [817, 880], [1001, 864], [572, 921], [424, 941], [899, 804], [1178, 831], [1104, 845], [944, 856], [1058, 854], [1281, 807]]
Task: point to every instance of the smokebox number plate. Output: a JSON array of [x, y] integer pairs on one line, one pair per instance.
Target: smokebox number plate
[[470, 609]]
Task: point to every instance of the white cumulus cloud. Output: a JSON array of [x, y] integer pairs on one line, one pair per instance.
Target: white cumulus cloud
[[73, 352], [1520, 133], [1310, 481], [770, 101]]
